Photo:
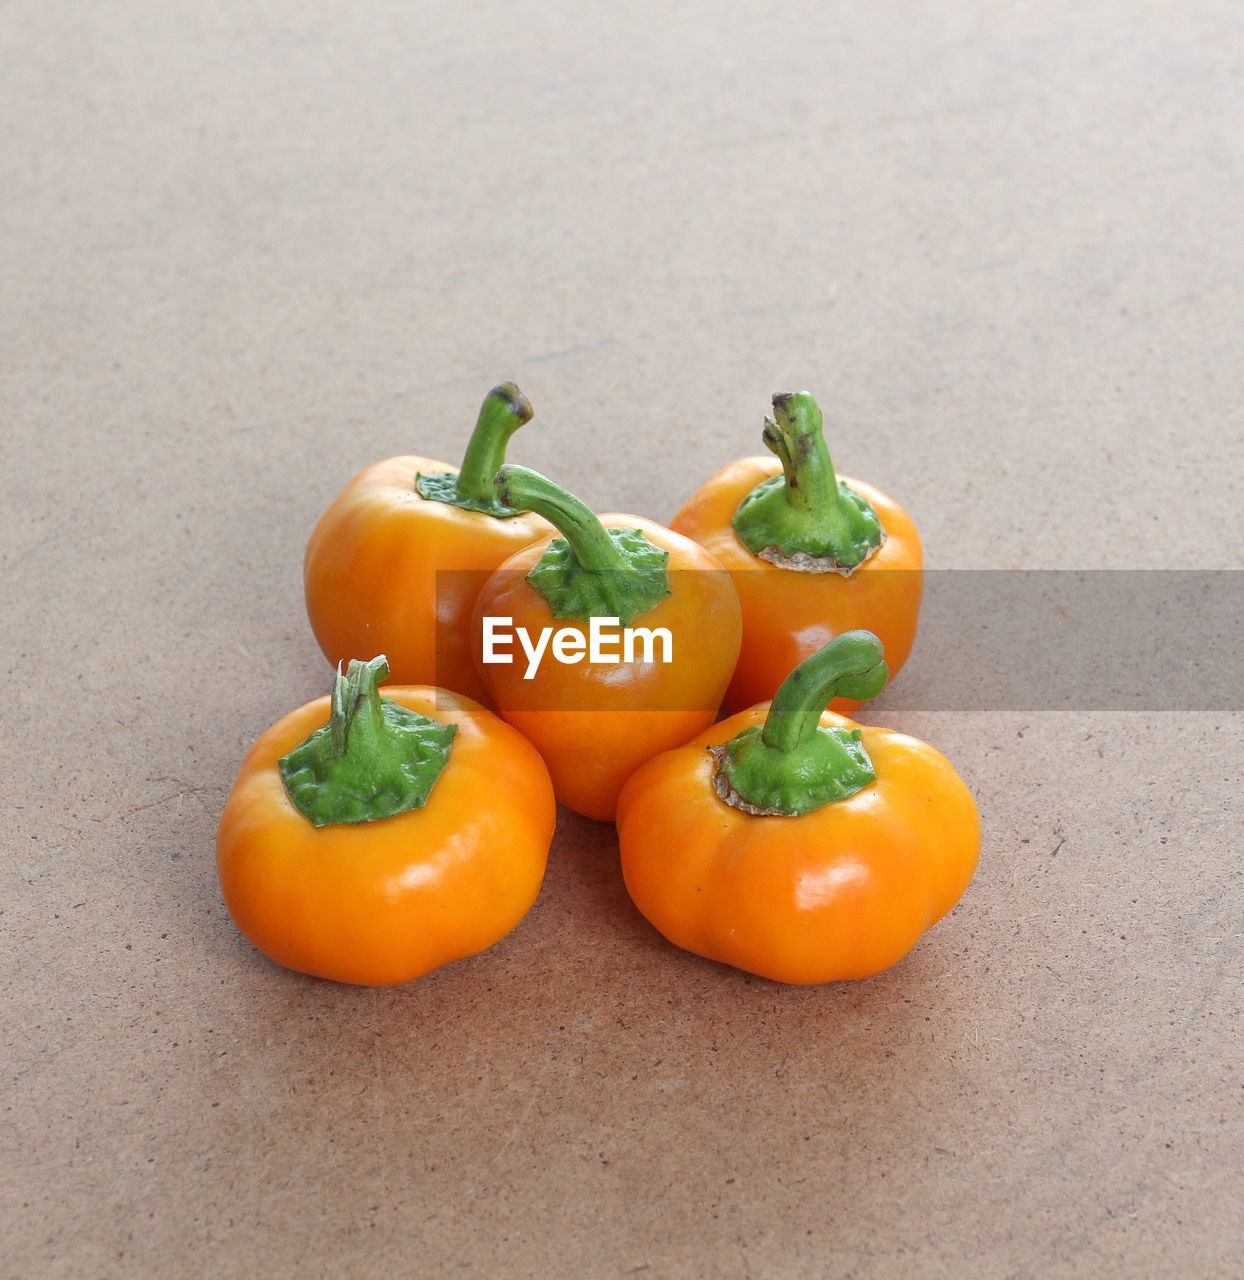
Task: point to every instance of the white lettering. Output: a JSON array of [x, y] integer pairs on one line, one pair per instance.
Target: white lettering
[[568, 646], [631, 634], [533, 655], [596, 651], [495, 635]]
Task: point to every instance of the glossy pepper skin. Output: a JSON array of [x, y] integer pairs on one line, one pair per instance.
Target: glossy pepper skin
[[596, 724], [371, 565], [384, 901], [789, 614], [842, 891]]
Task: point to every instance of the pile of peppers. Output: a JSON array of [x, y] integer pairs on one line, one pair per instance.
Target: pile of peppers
[[372, 836]]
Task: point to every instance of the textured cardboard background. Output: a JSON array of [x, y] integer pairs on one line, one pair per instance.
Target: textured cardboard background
[[249, 249]]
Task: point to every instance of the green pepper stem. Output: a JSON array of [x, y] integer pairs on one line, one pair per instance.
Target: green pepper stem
[[504, 410], [372, 760], [589, 541], [590, 571], [354, 708], [850, 666], [792, 765], [807, 511], [795, 433]]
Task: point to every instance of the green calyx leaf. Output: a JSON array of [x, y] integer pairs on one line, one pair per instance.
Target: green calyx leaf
[[792, 765], [444, 486], [590, 571], [625, 593], [372, 760], [831, 765], [768, 527], [504, 410], [806, 518]]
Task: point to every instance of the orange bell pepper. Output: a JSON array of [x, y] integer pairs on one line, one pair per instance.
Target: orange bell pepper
[[795, 844], [596, 722], [812, 555], [372, 562], [370, 840]]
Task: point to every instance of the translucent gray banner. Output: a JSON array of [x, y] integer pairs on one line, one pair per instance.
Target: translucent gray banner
[[1015, 640], [1087, 640]]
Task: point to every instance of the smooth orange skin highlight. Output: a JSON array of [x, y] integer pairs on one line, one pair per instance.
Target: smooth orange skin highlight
[[787, 615], [842, 892], [370, 574], [596, 724], [383, 902]]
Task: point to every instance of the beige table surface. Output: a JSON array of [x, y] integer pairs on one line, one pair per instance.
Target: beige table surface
[[248, 249]]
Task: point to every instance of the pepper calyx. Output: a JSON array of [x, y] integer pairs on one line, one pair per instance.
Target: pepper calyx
[[575, 592], [590, 571], [373, 759], [792, 765], [806, 518], [833, 766], [473, 488]]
